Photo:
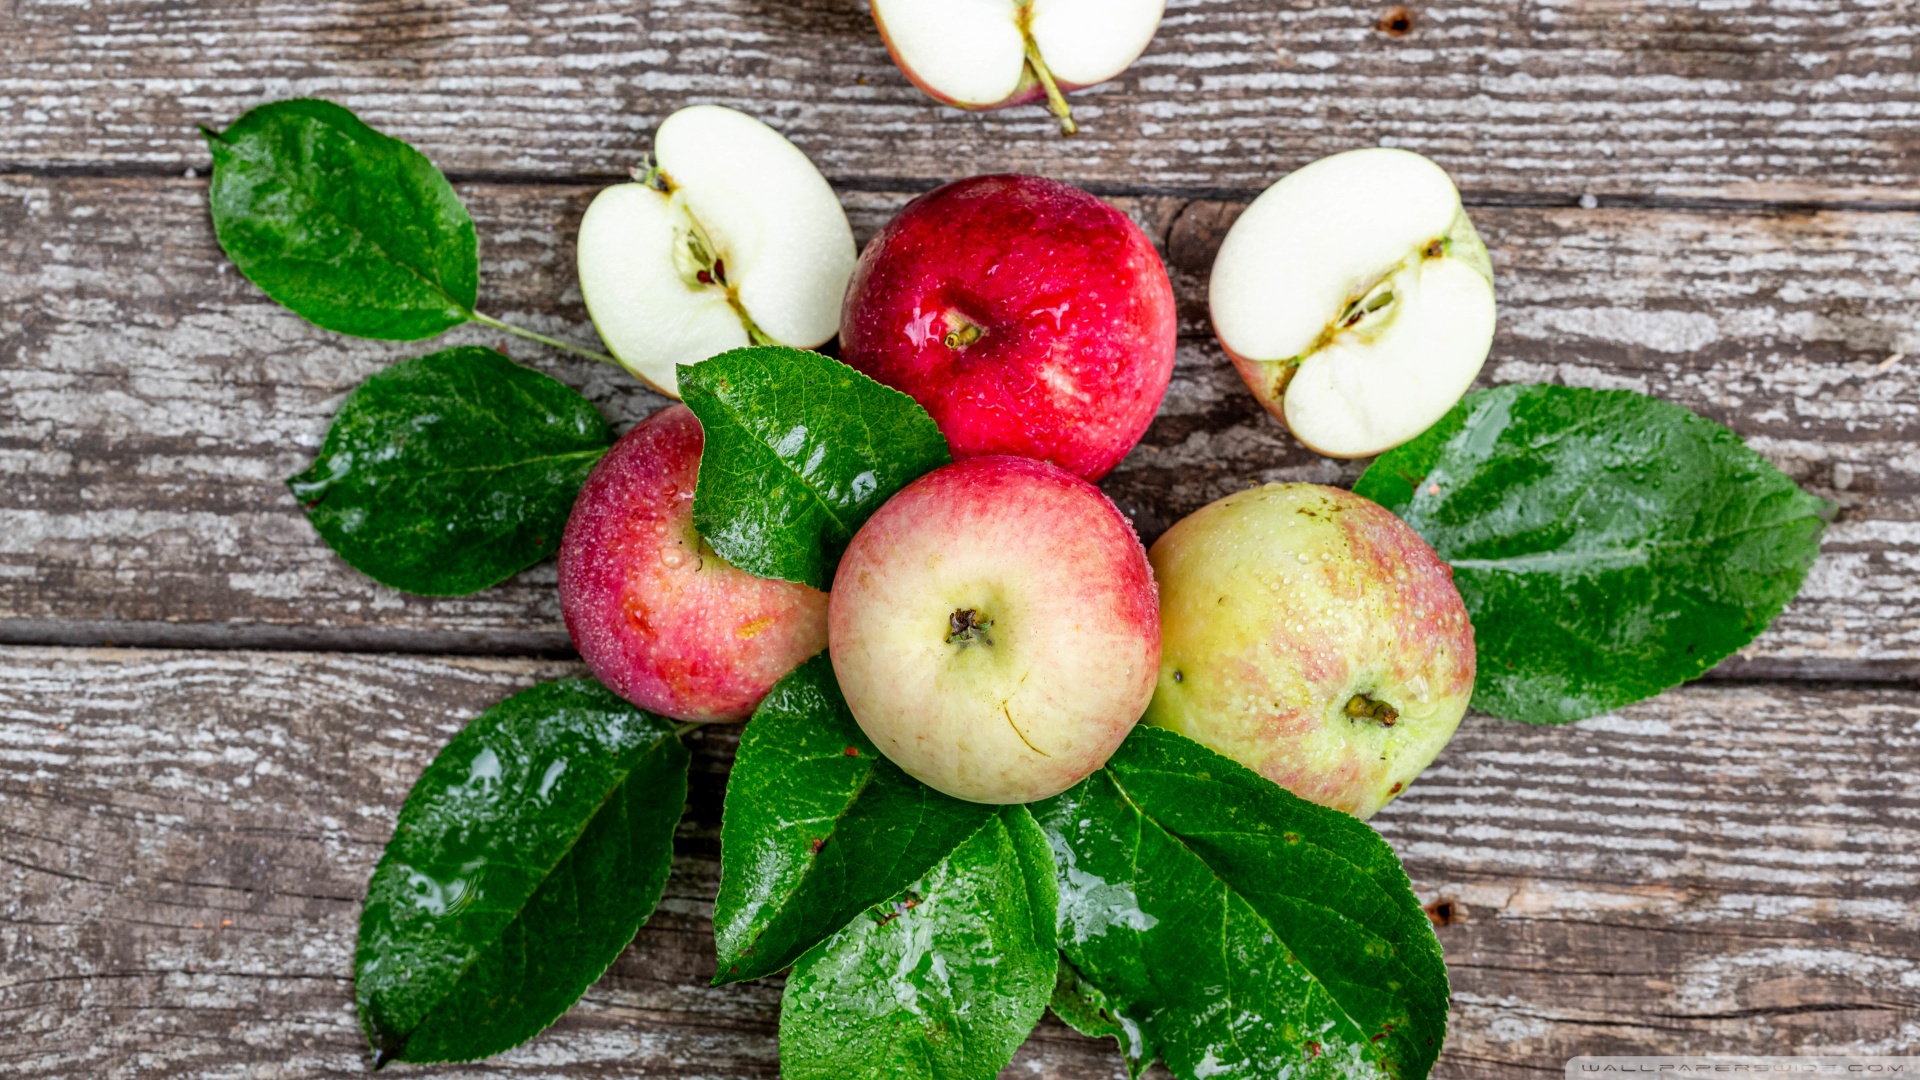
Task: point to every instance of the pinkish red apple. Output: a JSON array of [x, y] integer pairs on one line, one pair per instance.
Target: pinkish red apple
[[1025, 315], [994, 629], [1315, 638], [657, 616]]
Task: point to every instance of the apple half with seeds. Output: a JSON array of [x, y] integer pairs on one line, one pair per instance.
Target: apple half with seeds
[[732, 239], [990, 54], [1356, 300]]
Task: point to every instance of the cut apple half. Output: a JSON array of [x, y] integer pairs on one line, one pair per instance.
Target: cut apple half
[[989, 54], [733, 238], [1356, 300]]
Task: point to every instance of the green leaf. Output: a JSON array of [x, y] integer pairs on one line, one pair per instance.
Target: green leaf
[[1608, 545], [800, 450], [1082, 1007], [352, 229], [818, 827], [527, 856], [448, 473], [1247, 932], [942, 983]]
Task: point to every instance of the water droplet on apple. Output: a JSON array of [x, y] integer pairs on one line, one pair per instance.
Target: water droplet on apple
[[671, 557]]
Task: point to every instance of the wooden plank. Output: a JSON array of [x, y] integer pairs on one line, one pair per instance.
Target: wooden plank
[[1769, 99], [151, 402], [185, 838]]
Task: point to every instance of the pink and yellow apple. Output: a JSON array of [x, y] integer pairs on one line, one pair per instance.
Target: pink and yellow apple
[[657, 616], [1025, 315], [994, 629], [1315, 638]]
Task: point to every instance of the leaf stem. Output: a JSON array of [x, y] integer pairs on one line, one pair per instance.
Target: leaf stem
[[680, 730], [552, 343]]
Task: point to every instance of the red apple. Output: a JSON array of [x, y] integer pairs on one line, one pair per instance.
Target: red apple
[[659, 618], [1025, 315], [995, 629]]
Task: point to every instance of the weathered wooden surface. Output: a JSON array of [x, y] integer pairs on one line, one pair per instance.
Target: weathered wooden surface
[[1766, 99], [185, 838], [151, 401]]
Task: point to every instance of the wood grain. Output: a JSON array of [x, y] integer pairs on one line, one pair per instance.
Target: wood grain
[[185, 838], [1544, 101], [151, 401]]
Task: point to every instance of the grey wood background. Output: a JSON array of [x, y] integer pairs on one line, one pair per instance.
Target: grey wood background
[[207, 722]]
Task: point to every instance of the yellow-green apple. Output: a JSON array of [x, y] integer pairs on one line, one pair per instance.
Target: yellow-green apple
[[989, 54], [1025, 315], [657, 616], [733, 238], [1356, 299], [1312, 636], [994, 629]]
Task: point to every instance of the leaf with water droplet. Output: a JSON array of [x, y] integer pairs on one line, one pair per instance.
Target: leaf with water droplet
[[1242, 930], [818, 827], [354, 230], [526, 857], [449, 473], [800, 450], [1590, 585], [942, 982]]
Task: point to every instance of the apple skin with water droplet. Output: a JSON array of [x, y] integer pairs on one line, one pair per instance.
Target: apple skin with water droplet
[[1025, 315], [994, 629], [657, 616], [1314, 637]]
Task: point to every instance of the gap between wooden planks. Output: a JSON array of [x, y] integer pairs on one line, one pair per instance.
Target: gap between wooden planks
[[185, 838]]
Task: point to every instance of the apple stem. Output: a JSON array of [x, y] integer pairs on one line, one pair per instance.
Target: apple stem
[[551, 343], [1362, 707], [680, 730], [966, 626], [965, 335], [1056, 101]]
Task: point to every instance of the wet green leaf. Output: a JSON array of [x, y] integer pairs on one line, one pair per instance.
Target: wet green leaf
[[445, 474], [1245, 931], [352, 229], [526, 858], [1081, 1006], [1608, 545], [800, 450], [943, 982], [818, 827]]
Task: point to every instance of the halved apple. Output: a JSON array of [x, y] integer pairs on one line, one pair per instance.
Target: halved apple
[[733, 238], [989, 54], [1356, 300]]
